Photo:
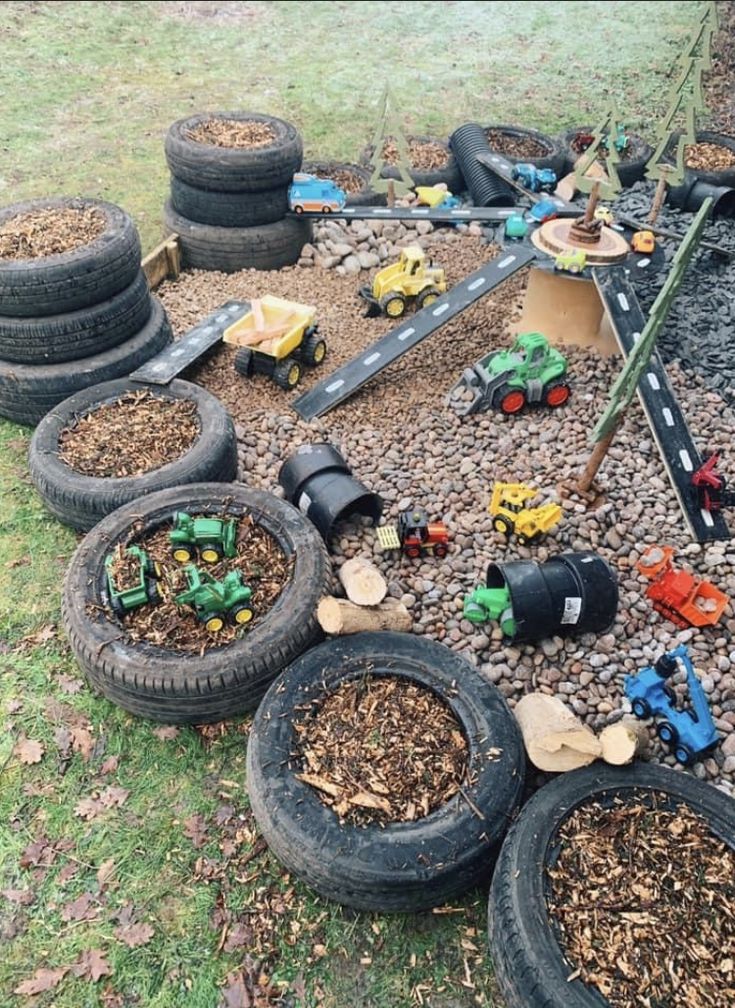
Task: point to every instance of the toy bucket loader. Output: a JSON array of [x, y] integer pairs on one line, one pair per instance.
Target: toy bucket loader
[[410, 277], [510, 516], [681, 597]]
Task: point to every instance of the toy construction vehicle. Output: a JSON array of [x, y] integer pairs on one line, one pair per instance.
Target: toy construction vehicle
[[144, 574], [275, 338], [711, 487], [534, 179], [683, 598], [437, 197], [415, 535], [215, 601], [643, 241], [485, 604], [690, 732], [410, 277], [211, 538], [509, 514], [530, 372]]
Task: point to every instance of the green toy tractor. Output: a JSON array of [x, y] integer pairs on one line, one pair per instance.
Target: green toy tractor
[[215, 601], [507, 380], [211, 538], [144, 587], [485, 604]]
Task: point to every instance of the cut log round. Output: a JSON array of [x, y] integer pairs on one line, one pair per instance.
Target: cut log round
[[339, 616], [363, 582], [555, 739], [623, 741]]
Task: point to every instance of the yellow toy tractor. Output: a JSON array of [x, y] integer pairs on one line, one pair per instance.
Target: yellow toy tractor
[[509, 514], [410, 277]]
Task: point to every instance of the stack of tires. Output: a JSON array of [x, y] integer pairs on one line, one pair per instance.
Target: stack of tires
[[76, 318], [229, 205]]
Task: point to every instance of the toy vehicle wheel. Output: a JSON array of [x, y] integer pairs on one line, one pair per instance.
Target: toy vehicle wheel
[[244, 362], [556, 394], [395, 866], [153, 591], [117, 607], [427, 297], [413, 552], [667, 733], [211, 554], [642, 709], [287, 373], [393, 305], [313, 350], [529, 965], [298, 209], [240, 615], [214, 622], [441, 550], [326, 210], [670, 694], [509, 400], [524, 540], [684, 755], [503, 524], [183, 554]]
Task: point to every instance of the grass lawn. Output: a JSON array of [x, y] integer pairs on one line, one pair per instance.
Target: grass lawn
[[126, 851]]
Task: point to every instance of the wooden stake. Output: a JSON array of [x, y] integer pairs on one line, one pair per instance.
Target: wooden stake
[[555, 739], [363, 582], [584, 483], [658, 199], [339, 616], [623, 741], [391, 197], [589, 213]]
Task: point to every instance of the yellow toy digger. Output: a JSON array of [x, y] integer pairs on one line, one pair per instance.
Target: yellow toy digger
[[410, 277], [509, 514]]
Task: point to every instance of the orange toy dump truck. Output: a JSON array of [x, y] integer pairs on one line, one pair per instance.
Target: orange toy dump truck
[[683, 598]]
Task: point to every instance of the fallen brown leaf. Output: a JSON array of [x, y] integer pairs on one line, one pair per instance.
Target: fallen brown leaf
[[79, 909], [195, 828], [68, 684], [43, 636], [82, 741], [105, 872], [29, 751], [134, 935], [22, 896], [166, 732], [13, 706], [42, 980], [92, 964], [88, 808], [110, 765], [113, 795], [40, 852]]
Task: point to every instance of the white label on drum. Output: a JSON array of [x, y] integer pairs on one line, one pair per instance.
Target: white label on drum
[[572, 609], [305, 504]]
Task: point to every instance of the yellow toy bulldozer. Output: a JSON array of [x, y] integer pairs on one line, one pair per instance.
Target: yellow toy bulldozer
[[509, 514], [410, 277]]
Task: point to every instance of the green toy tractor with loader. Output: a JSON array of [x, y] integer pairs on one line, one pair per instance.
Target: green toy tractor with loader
[[485, 604], [215, 602], [211, 538], [140, 574], [531, 372]]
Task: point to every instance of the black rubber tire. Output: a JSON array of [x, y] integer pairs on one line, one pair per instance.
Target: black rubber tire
[[450, 173], [364, 197], [630, 170], [234, 169], [81, 501], [225, 209], [529, 966], [402, 866], [55, 339], [70, 280], [268, 247], [28, 392], [178, 688], [555, 158], [726, 177]]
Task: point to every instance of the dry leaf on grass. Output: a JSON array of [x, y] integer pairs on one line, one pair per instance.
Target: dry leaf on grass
[[82, 741], [92, 965], [24, 897], [106, 872], [13, 706], [43, 636], [88, 808], [42, 980], [29, 751], [195, 828], [114, 796], [39, 853], [134, 935], [166, 732], [110, 765], [80, 909], [68, 684]]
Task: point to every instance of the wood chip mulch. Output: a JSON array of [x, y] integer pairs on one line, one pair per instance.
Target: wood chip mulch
[[381, 750], [124, 569], [264, 568], [424, 154], [644, 898], [347, 180], [708, 156], [49, 231], [135, 434], [232, 133], [523, 147]]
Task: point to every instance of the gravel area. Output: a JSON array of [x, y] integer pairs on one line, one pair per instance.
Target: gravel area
[[401, 440]]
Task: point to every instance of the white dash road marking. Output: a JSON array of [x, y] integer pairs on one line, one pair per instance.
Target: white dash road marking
[[505, 213], [686, 460], [441, 309], [220, 318], [653, 381], [178, 352], [623, 302], [642, 263], [636, 337], [159, 367], [706, 517], [477, 283], [371, 359], [506, 262], [379, 210], [335, 385], [668, 417], [494, 159], [207, 329], [461, 213], [405, 334], [421, 210]]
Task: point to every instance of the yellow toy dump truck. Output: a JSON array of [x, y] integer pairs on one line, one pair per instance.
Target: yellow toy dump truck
[[410, 277], [509, 514], [275, 338]]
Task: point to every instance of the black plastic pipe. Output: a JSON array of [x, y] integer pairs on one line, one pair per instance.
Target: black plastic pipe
[[691, 195], [485, 188]]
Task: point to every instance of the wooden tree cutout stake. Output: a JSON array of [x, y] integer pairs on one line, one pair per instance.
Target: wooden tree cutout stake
[[389, 127]]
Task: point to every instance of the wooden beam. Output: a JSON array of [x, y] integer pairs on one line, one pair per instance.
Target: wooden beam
[[163, 262]]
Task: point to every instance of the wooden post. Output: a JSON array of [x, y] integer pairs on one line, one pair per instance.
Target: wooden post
[[623, 741], [584, 483], [658, 199], [340, 616], [391, 193], [589, 213]]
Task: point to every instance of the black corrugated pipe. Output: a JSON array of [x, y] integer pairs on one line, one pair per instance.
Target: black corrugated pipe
[[485, 188]]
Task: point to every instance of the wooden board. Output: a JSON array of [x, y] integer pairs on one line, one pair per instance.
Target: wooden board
[[163, 262]]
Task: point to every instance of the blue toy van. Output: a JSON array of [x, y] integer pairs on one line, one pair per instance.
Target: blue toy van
[[317, 195]]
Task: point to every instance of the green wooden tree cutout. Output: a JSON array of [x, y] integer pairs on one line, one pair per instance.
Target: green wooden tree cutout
[[389, 126], [603, 135]]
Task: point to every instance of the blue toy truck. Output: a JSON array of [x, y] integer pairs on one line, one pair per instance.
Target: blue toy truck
[[689, 732], [307, 192], [533, 178]]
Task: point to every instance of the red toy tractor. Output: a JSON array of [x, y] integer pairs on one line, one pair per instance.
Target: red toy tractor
[[415, 535]]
